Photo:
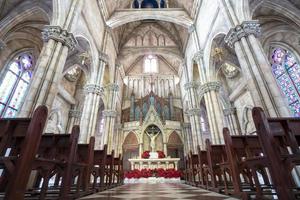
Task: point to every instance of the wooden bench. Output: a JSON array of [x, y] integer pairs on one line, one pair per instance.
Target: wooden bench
[[20, 139], [202, 163], [56, 156], [216, 157], [245, 161], [98, 170], [280, 141]]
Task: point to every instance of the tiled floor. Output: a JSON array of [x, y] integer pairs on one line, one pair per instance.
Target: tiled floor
[[157, 192]]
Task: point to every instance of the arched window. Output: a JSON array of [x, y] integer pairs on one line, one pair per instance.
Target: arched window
[[150, 64], [286, 70], [15, 83]]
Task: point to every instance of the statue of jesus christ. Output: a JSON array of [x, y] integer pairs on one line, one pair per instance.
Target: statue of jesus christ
[[152, 140]]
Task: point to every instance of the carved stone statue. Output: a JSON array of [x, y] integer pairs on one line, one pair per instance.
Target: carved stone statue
[[152, 140]]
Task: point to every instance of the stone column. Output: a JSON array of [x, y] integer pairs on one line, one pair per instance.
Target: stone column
[[110, 114], [233, 122], [253, 60], [187, 139], [93, 94], [44, 86], [210, 91], [74, 119], [165, 148], [141, 150]]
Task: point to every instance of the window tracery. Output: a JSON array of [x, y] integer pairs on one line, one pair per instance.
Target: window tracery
[[286, 70], [151, 64], [15, 84]]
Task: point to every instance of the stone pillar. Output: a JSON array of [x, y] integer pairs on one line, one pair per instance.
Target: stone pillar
[[110, 114], [93, 93], [141, 150], [194, 114], [167, 3], [74, 119], [165, 148], [188, 145], [210, 91], [140, 3], [44, 86], [132, 108], [253, 60], [233, 122]]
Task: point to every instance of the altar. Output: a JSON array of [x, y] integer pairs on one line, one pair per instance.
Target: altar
[[154, 163]]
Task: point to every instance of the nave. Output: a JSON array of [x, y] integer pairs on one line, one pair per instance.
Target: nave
[[160, 191]]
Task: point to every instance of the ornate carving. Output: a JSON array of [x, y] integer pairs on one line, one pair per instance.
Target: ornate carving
[[95, 89], [191, 85], [109, 113], [245, 29], [193, 111], [103, 57], [112, 87], [58, 34], [75, 113], [210, 86]]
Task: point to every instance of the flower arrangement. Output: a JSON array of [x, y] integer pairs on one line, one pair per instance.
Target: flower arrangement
[[161, 154], [146, 173], [146, 155]]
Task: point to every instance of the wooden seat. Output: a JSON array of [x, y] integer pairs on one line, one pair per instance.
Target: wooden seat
[[20, 139], [279, 139], [98, 169], [56, 157]]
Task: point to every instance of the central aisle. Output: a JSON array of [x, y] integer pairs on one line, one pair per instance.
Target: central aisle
[[165, 191]]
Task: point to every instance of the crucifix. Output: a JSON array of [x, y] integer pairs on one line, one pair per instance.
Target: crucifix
[[152, 133]]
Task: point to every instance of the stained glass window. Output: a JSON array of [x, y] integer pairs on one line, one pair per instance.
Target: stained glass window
[[14, 84], [286, 70], [150, 64]]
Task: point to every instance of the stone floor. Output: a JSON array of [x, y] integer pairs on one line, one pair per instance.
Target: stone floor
[[166, 191]]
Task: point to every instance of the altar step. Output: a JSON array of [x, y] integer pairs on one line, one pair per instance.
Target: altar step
[[160, 191]]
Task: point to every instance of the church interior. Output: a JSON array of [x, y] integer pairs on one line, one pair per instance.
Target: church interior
[[150, 99]]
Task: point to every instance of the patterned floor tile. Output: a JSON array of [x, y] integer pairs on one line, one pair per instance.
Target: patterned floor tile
[[157, 192]]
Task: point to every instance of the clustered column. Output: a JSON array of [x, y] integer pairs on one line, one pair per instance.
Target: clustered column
[[110, 115], [253, 62], [74, 118], [233, 122], [44, 86], [94, 92], [210, 92], [194, 114]]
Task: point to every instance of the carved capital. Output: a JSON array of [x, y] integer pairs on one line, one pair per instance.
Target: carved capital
[[92, 88], [103, 57], [198, 56], [193, 111], [109, 113], [113, 87], [245, 29], [2, 45], [229, 111], [75, 113], [191, 85], [210, 86]]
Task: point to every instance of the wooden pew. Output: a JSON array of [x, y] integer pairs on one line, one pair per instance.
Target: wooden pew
[[202, 163], [56, 156], [246, 159], [20, 139], [83, 167], [98, 170], [279, 138], [216, 157], [118, 171], [193, 164], [109, 170]]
